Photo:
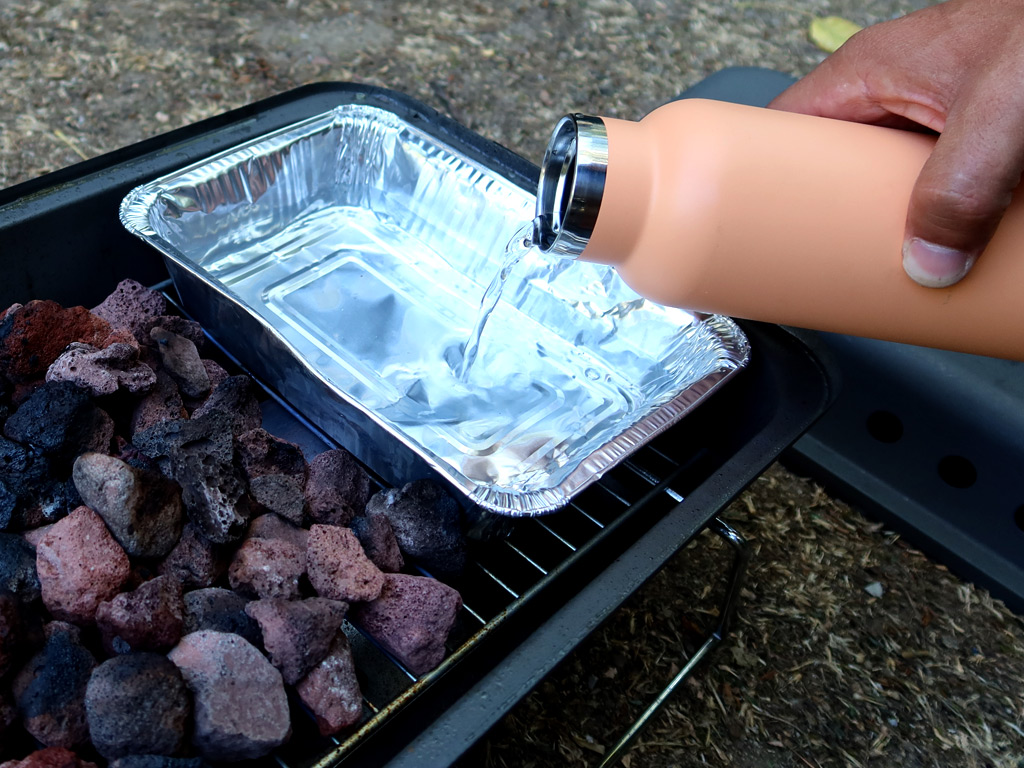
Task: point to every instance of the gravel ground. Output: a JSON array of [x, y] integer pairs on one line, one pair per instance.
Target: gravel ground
[[928, 671]]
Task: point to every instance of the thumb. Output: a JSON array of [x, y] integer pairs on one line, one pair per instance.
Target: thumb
[[963, 191]]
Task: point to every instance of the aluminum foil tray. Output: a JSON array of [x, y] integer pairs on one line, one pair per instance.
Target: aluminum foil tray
[[343, 260]]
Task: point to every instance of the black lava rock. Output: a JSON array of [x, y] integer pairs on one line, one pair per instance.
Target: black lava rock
[[220, 610], [18, 568], [61, 421]]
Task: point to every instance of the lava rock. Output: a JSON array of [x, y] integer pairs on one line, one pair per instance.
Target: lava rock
[[297, 634], [277, 473], [220, 610], [178, 325], [195, 561], [271, 526], [142, 508], [337, 488], [267, 568], [150, 618], [427, 523], [237, 396], [11, 633], [199, 454], [18, 568], [130, 305], [80, 565], [102, 371], [241, 708], [411, 618], [137, 704], [161, 403], [50, 757], [378, 540], [331, 689], [34, 335], [158, 761], [180, 358], [337, 566], [60, 420], [8, 714], [51, 692]]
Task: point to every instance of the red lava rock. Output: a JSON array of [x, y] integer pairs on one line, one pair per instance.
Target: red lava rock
[[34, 335], [238, 397], [80, 565], [162, 403], [337, 488], [271, 526], [195, 561], [427, 523], [378, 539], [137, 704], [142, 508], [150, 618], [267, 568], [60, 420], [331, 690], [241, 709], [411, 619], [222, 611], [130, 306], [180, 358], [51, 757], [297, 634], [51, 689], [337, 566], [102, 371]]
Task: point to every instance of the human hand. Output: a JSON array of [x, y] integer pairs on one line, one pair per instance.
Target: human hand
[[955, 68]]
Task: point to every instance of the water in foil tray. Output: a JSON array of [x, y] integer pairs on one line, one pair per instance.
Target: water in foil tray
[[343, 260]]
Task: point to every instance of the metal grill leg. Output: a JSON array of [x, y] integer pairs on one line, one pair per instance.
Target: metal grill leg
[[741, 556]]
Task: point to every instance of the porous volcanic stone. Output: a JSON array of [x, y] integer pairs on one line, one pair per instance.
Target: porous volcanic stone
[[411, 618], [297, 634], [142, 508], [180, 358], [18, 568], [331, 690], [11, 632], [241, 709], [337, 566], [51, 757], [237, 396], [378, 539], [60, 420], [8, 713], [427, 523], [80, 565], [220, 610], [130, 305], [337, 487], [102, 371], [137, 704], [51, 689], [277, 473], [195, 561], [158, 761], [150, 618], [267, 568], [161, 403], [271, 526], [199, 454], [32, 336]]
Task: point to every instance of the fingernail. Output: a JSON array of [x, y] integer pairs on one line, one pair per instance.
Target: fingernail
[[935, 266]]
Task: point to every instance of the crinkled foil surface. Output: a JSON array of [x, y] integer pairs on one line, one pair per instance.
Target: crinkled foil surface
[[347, 257]]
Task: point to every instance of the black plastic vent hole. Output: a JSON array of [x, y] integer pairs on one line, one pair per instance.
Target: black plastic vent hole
[[1018, 517], [957, 471], [885, 426]]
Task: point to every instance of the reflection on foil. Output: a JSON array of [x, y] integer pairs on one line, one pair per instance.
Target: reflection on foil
[[359, 246]]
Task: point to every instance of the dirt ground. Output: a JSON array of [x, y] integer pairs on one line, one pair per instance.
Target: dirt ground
[[926, 671]]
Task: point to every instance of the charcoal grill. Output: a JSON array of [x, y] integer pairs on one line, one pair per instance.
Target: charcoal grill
[[534, 588]]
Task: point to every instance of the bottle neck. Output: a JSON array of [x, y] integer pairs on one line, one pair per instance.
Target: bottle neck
[[572, 182]]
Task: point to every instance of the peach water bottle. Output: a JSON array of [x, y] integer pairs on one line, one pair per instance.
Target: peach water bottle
[[773, 216]]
